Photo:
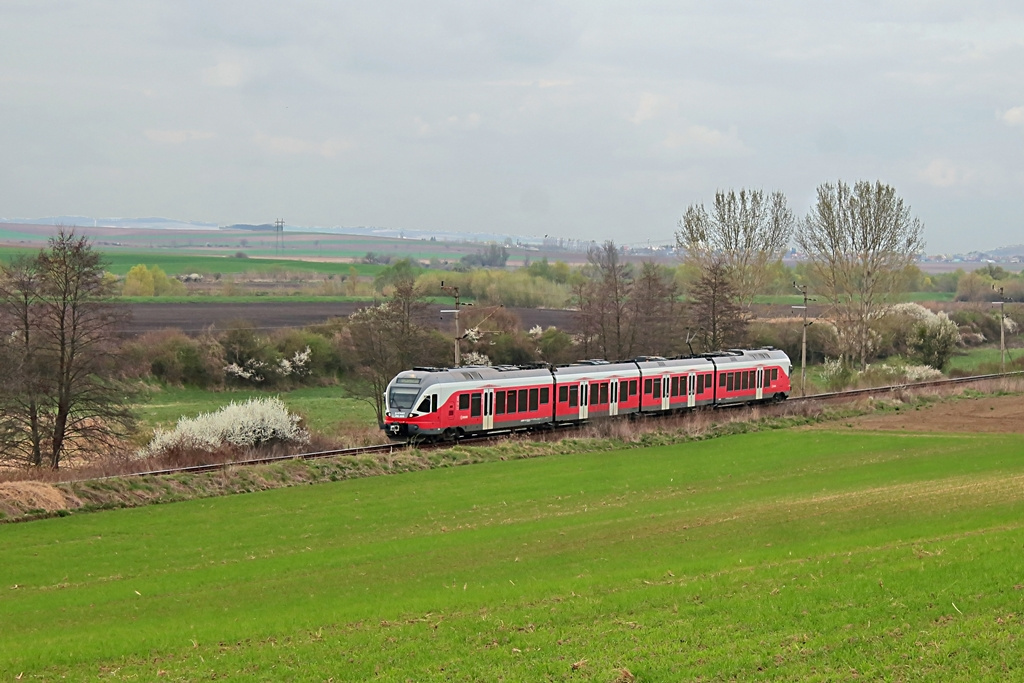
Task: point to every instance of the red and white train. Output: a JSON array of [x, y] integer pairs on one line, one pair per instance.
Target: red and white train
[[433, 403]]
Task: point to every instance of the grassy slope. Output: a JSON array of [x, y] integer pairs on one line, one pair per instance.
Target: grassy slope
[[804, 554]]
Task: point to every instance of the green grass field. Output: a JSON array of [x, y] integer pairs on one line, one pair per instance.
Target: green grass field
[[796, 555], [173, 263], [984, 358], [326, 410]]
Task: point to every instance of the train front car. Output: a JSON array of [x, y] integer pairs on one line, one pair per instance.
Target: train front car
[[752, 375], [411, 401]]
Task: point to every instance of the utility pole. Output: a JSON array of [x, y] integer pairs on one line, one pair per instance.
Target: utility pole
[[1002, 328], [454, 291], [803, 344], [279, 235]]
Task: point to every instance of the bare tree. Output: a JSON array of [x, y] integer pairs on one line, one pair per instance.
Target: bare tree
[[713, 309], [747, 232], [859, 242], [604, 301], [389, 338], [656, 311], [21, 435], [66, 397]]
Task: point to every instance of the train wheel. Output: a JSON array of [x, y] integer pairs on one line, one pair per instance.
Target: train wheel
[[448, 435]]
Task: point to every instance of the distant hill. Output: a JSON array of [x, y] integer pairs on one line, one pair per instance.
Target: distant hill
[[1007, 252], [262, 227], [154, 222]]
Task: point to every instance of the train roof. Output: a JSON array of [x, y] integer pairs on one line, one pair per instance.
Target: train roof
[[427, 375], [423, 376]]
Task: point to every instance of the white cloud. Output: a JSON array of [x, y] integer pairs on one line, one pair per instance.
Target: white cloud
[[224, 75], [332, 147], [329, 148], [1013, 117], [942, 173], [704, 141], [648, 108], [177, 137]]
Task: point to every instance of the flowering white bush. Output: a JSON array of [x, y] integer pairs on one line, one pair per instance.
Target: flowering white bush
[[252, 423], [474, 358], [297, 365], [535, 332], [921, 373], [252, 370], [1009, 325], [255, 370], [898, 373], [836, 374], [911, 310], [934, 340]]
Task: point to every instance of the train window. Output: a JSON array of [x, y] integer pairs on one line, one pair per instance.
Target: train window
[[700, 384], [424, 405], [563, 394], [604, 392], [594, 389], [753, 379], [544, 393], [534, 393], [574, 396], [675, 386], [745, 378], [657, 388], [775, 374], [522, 400], [474, 406], [512, 401], [729, 384], [648, 386], [499, 403], [721, 379], [464, 402], [433, 403]]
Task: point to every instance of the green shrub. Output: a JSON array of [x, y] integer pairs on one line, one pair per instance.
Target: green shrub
[[175, 358]]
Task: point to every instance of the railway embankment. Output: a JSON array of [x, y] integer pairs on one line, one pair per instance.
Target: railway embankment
[[965, 411]]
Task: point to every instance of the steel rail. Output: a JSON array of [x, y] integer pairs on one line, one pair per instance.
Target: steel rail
[[392, 447]]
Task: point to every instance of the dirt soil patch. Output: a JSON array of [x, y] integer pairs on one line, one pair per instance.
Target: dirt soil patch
[[990, 414], [20, 497]]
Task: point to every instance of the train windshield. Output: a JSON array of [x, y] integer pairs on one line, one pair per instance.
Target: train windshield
[[402, 398]]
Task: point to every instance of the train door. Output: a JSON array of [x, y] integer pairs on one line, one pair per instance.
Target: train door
[[665, 384], [488, 409], [691, 390], [584, 399], [613, 397], [760, 383]]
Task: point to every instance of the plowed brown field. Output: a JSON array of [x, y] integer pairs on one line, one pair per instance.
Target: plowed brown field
[[197, 317], [993, 414]]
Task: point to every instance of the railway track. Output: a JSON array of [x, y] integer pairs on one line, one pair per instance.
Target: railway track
[[873, 391], [395, 447]]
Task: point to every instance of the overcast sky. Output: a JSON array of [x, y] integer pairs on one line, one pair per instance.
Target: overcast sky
[[582, 119]]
